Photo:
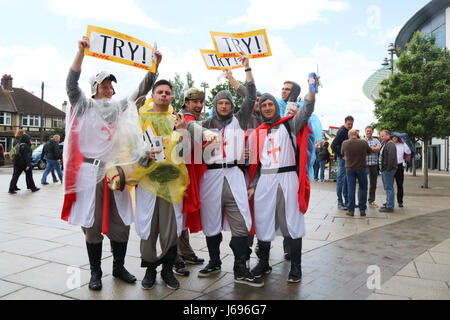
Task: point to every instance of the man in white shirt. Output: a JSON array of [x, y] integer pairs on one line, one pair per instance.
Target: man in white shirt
[[402, 149]]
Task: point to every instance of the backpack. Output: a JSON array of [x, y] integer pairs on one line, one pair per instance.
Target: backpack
[[14, 154]]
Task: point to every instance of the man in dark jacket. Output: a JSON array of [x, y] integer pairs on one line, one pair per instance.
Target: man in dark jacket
[[44, 158], [54, 156], [341, 180], [22, 162], [388, 167], [323, 158]]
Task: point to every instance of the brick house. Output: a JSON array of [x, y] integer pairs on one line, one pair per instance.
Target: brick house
[[20, 109]]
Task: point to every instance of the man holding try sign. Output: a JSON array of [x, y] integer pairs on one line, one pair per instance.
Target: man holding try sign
[[92, 134], [223, 187]]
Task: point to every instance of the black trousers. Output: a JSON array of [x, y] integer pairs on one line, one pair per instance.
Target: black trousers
[[28, 177], [399, 177], [372, 171]]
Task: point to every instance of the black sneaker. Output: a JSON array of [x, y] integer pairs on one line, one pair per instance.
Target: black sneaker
[[35, 189], [246, 277], [209, 270], [295, 275], [12, 192], [261, 269], [342, 207], [294, 278], [149, 279], [193, 259], [180, 269], [170, 280]]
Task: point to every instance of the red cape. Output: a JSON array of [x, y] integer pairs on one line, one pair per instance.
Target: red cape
[[72, 166], [258, 138], [191, 200]]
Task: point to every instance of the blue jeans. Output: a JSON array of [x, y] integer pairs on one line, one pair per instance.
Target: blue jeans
[[361, 175], [341, 182], [51, 164], [316, 170], [388, 183], [322, 170]]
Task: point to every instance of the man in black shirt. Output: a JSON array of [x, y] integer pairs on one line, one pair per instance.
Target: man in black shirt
[[341, 180]]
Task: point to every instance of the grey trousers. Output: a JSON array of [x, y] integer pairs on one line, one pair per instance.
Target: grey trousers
[[163, 219], [372, 171], [118, 231], [234, 216], [280, 214]]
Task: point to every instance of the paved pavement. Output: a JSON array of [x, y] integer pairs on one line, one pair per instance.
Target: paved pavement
[[399, 255]]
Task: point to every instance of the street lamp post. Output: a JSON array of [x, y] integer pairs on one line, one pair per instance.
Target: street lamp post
[[42, 113], [390, 63]]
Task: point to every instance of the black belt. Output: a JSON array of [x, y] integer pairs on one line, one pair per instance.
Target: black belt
[[279, 170], [95, 162], [222, 165]]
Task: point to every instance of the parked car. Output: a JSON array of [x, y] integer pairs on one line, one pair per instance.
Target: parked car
[[36, 160], [2, 156]]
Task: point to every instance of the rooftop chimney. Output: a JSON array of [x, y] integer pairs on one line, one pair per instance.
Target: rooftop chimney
[[7, 82]]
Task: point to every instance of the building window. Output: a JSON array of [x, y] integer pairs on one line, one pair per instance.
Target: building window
[[57, 123], [5, 118], [31, 121]]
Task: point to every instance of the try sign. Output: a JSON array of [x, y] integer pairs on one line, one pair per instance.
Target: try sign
[[254, 44], [118, 47]]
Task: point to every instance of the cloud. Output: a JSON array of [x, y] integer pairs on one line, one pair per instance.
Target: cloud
[[124, 11], [286, 14], [29, 67]]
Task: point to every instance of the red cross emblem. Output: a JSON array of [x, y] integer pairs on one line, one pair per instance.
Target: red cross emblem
[[274, 151], [108, 130]]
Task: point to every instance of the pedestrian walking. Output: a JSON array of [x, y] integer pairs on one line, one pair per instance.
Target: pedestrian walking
[[53, 158], [22, 162]]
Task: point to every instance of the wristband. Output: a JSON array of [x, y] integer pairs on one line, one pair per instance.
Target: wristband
[[248, 69]]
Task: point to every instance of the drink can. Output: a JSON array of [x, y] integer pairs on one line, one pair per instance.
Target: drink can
[[313, 83]]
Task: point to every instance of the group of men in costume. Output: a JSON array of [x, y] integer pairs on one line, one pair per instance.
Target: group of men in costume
[[252, 176]]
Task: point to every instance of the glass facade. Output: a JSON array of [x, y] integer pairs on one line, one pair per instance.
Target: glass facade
[[436, 26]]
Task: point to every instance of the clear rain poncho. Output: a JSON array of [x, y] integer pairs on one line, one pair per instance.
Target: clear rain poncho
[[107, 130]]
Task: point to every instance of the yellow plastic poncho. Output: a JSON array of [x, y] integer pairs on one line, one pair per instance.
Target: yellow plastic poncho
[[168, 179]]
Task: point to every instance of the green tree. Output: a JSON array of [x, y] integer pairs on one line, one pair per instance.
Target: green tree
[[59, 131], [238, 100], [416, 99], [179, 88]]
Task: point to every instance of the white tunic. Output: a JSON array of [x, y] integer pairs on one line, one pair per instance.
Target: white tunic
[[277, 153], [145, 207], [212, 181], [96, 140]]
